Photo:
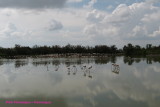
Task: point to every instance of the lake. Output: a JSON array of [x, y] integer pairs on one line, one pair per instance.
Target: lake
[[81, 82]]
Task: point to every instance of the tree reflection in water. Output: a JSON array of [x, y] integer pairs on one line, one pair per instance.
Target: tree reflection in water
[[79, 61], [87, 87]]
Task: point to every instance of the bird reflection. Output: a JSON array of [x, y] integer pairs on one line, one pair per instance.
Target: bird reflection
[[74, 70], [56, 67], [115, 68], [89, 72], [68, 65], [90, 67], [90, 76], [47, 68], [86, 70], [69, 71], [81, 67]]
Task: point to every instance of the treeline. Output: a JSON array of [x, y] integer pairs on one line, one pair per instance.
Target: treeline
[[128, 50], [56, 49], [131, 50]]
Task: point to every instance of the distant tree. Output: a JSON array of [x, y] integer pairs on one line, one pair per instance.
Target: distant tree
[[128, 50], [149, 46], [113, 49]]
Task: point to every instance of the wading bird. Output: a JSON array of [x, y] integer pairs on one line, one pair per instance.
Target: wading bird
[[115, 68]]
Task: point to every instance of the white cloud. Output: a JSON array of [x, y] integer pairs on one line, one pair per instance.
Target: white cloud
[[72, 1], [8, 30], [138, 21], [138, 30], [41, 23], [11, 34], [155, 33], [91, 30], [7, 12], [133, 22], [55, 25], [90, 4], [95, 16]]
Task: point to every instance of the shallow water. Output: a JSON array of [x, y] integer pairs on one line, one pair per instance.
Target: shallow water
[[67, 82]]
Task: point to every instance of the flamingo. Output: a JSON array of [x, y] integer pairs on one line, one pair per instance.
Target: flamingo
[[74, 70], [89, 74], [67, 65], [90, 67], [116, 68], [68, 71], [84, 66], [47, 68], [57, 67]]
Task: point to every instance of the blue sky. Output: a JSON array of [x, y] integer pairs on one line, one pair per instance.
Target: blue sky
[[104, 4], [84, 22]]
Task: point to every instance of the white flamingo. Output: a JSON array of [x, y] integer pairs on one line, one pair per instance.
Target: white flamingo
[[115, 68]]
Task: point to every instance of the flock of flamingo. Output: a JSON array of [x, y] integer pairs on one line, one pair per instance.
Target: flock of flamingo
[[85, 69], [72, 69]]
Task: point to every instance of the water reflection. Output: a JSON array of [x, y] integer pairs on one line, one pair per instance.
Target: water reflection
[[56, 67], [81, 82], [20, 63], [74, 69], [105, 60], [115, 68], [148, 60], [78, 61], [39, 63], [56, 62], [86, 71]]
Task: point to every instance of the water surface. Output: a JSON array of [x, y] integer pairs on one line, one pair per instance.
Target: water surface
[[68, 82]]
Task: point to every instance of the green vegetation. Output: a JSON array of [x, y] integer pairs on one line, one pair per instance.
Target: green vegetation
[[56, 49], [131, 50], [128, 50]]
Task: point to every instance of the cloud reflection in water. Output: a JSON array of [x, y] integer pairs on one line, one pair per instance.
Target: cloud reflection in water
[[136, 85]]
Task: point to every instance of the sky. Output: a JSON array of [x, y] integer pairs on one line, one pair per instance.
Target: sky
[[79, 22]]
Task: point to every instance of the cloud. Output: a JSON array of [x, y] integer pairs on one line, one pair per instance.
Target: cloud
[[10, 31], [74, 1], [121, 24], [110, 7], [138, 21], [155, 33], [55, 25], [32, 4], [91, 4], [44, 26], [94, 16]]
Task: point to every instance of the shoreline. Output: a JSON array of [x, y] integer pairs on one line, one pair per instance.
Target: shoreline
[[69, 55], [75, 55]]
